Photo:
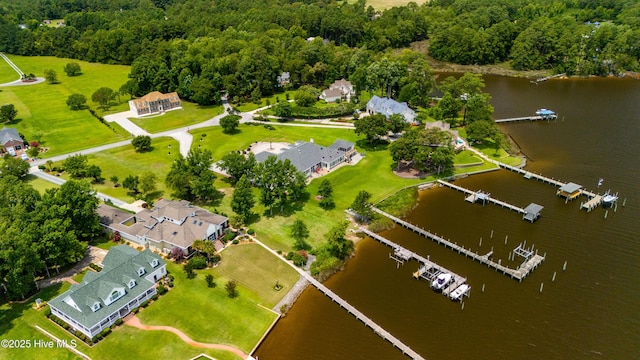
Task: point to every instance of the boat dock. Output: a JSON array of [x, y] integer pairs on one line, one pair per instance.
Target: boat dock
[[428, 269], [523, 270], [530, 213], [406, 350], [526, 118]]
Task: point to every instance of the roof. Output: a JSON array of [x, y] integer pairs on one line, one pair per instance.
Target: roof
[[304, 155], [331, 93], [193, 222], [570, 187], [8, 134], [342, 144], [389, 107], [120, 265], [342, 83], [155, 96]]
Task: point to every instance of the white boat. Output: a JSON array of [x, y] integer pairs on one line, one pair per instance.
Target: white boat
[[459, 292], [441, 281], [609, 198]]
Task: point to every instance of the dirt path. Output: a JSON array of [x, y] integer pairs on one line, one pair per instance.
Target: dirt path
[[135, 322]]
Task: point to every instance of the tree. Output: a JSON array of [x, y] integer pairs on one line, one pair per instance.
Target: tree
[[230, 123], [72, 69], [397, 123], [210, 282], [362, 207], [191, 178], [449, 106], [326, 193], [76, 165], [94, 171], [306, 96], [242, 200], [235, 164], [13, 166], [148, 182], [337, 244], [8, 113], [442, 159], [283, 110], [132, 183], [477, 107], [103, 96], [51, 76], [480, 130], [372, 127], [114, 179], [76, 101], [205, 247], [231, 287], [299, 232], [142, 143]]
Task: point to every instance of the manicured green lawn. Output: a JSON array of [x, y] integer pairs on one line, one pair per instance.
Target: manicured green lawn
[[466, 157], [210, 315], [39, 184], [124, 161], [257, 270], [79, 276], [189, 115], [42, 108], [7, 74], [249, 106]]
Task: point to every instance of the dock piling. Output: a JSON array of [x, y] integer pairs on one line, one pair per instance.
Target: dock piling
[[606, 213], [541, 287], [564, 267], [483, 288], [553, 278], [491, 237], [480, 244]]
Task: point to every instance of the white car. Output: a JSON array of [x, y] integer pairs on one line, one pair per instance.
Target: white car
[[24, 157]]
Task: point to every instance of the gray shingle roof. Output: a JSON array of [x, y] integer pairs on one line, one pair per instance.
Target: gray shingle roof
[[304, 155], [388, 107], [8, 134], [570, 187], [121, 262]]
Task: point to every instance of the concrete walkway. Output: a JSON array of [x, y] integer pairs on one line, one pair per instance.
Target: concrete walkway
[[122, 119], [134, 321], [92, 255]]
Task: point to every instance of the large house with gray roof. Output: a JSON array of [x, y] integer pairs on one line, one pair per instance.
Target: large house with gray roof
[[310, 158], [168, 224], [128, 278], [388, 107]]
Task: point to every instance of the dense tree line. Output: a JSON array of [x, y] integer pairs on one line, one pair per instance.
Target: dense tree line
[[42, 233], [242, 46]]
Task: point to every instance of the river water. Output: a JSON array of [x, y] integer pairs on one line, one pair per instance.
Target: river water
[[590, 311]]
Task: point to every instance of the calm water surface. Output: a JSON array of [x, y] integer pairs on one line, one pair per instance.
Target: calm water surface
[[591, 311]]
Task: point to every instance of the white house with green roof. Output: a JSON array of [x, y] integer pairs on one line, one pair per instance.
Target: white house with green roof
[[128, 278]]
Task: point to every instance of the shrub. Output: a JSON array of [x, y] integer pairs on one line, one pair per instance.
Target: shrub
[[42, 167], [119, 322], [47, 312], [105, 332], [154, 297], [162, 289], [135, 311], [289, 255], [236, 241], [145, 304], [197, 262], [251, 232]]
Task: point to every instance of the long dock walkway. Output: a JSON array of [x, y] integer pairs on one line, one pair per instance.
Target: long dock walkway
[[406, 350], [472, 197], [525, 118], [428, 269], [518, 274]]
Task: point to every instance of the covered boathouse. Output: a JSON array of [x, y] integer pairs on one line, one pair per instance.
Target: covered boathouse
[[569, 191]]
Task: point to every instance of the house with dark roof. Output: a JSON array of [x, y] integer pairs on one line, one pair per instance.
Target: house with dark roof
[[168, 224], [310, 158], [11, 141], [155, 103], [128, 278], [388, 107]]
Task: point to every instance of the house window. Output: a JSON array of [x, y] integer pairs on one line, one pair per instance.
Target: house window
[[115, 295], [141, 271], [154, 263], [132, 283], [95, 307]]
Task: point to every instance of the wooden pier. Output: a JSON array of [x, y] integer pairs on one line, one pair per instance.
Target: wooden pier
[[523, 270], [526, 118], [475, 196], [406, 350], [428, 269]]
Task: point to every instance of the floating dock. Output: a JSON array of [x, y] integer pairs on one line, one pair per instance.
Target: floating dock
[[428, 269], [526, 118], [530, 213], [529, 264]]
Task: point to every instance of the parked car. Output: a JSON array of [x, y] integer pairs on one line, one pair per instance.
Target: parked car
[[24, 157]]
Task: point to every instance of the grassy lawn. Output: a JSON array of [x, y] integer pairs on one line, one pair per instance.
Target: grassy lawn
[[466, 157], [79, 276], [249, 106], [7, 74], [42, 108], [124, 161], [39, 184], [387, 4], [189, 115], [212, 316], [257, 270]]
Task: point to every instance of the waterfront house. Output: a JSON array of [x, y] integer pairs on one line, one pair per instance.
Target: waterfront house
[[155, 103], [167, 225], [128, 278], [310, 158], [388, 107]]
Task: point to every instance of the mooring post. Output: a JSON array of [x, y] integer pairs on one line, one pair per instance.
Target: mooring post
[[606, 213], [624, 202], [553, 278], [564, 267], [505, 239], [541, 286], [480, 244], [491, 234], [483, 288]]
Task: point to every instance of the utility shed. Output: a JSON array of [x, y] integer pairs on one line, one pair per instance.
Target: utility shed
[[570, 191], [532, 212]]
